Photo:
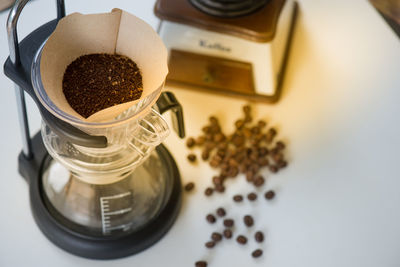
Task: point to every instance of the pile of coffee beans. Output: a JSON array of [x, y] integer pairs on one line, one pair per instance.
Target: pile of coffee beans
[[250, 148]]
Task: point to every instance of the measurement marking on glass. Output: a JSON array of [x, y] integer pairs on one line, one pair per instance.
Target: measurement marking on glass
[[106, 214]]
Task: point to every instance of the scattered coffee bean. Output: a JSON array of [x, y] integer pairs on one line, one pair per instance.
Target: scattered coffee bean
[[248, 220], [273, 169], [259, 236], [211, 218], [200, 264], [218, 180], [229, 222], [228, 233], [261, 123], [210, 244], [269, 195], [221, 212], [282, 164], [259, 181], [208, 192], [238, 198], [241, 240], [190, 142], [200, 140], [280, 145], [257, 253], [216, 237], [205, 155], [246, 109], [252, 196], [192, 157], [219, 188], [213, 120], [189, 186]]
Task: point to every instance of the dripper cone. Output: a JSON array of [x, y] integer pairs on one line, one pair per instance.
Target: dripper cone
[[117, 32]]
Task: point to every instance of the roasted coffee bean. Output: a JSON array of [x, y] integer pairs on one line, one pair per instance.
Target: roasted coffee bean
[[259, 181], [205, 155], [215, 129], [250, 176], [248, 220], [238, 198], [259, 236], [200, 264], [209, 145], [211, 218], [252, 196], [228, 233], [280, 145], [200, 140], [247, 109], [222, 146], [282, 164], [206, 129], [248, 118], [273, 168], [216, 237], [214, 163], [189, 186], [257, 253], [263, 151], [241, 240], [217, 180], [210, 244], [208, 191], [219, 188], [229, 222], [277, 157], [238, 140], [213, 120], [239, 124], [219, 137], [261, 124], [190, 142], [221, 212], [247, 133], [263, 162], [274, 151], [192, 157], [269, 195], [255, 130], [233, 171], [254, 167]]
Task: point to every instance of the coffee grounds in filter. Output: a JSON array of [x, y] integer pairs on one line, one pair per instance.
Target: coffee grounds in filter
[[98, 81]]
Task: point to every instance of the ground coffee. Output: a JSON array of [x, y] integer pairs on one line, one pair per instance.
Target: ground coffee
[[98, 81]]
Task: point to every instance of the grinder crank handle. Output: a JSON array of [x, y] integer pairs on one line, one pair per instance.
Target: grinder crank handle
[[167, 101]]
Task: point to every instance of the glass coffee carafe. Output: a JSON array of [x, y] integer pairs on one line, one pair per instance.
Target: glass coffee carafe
[[111, 190]]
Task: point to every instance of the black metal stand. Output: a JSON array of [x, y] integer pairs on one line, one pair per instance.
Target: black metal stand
[[32, 160]]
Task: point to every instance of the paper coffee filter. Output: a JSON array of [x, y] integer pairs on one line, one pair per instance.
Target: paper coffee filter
[[116, 32]]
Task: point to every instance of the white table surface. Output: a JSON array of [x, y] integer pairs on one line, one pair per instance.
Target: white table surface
[[338, 202]]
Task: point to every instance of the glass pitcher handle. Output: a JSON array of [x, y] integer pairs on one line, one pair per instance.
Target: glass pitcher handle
[[167, 101]]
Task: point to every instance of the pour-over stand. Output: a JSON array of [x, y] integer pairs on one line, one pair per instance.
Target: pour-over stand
[[34, 158]]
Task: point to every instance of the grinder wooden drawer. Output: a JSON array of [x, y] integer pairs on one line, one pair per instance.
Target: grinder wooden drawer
[[219, 74]]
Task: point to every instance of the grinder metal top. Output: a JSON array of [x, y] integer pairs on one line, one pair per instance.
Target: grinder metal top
[[255, 22]]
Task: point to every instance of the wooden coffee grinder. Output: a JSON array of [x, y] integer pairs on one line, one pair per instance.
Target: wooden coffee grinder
[[230, 47]]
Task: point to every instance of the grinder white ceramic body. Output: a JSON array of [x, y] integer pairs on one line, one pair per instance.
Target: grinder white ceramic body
[[266, 58]]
